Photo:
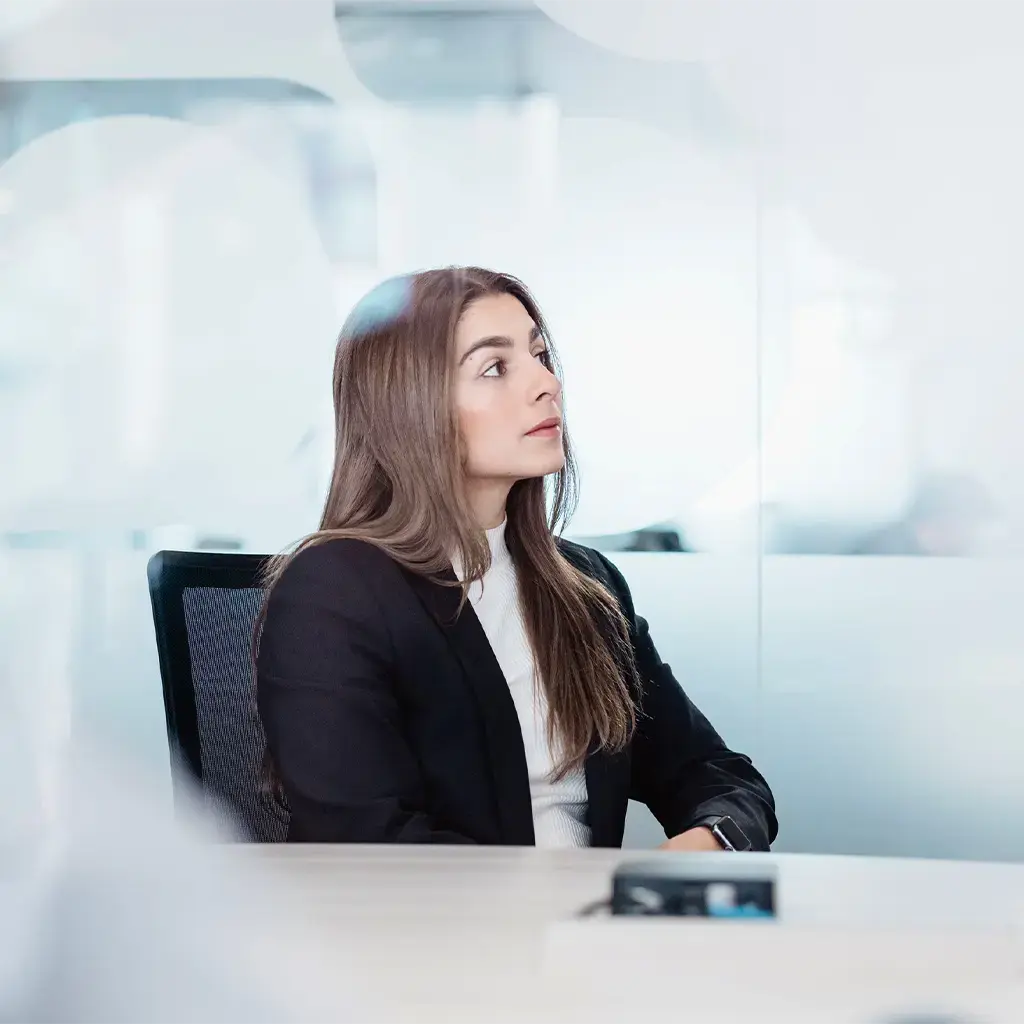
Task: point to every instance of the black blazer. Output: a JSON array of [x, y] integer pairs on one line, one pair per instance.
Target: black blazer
[[387, 722]]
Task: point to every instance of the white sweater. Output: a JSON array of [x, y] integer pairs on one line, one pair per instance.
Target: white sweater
[[559, 808]]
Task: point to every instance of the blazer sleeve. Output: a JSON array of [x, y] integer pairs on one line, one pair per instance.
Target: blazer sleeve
[[681, 767], [326, 697]]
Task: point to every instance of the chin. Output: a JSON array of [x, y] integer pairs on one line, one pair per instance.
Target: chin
[[547, 467]]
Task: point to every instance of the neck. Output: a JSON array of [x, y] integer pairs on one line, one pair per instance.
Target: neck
[[487, 500]]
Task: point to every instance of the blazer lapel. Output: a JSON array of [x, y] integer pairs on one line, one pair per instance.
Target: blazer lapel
[[608, 781], [609, 776], [504, 738]]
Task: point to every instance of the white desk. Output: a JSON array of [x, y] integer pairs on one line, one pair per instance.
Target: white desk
[[453, 934]]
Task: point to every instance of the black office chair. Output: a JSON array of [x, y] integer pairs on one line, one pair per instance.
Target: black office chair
[[205, 608]]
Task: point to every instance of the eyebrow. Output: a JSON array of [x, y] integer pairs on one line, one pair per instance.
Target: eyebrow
[[497, 341]]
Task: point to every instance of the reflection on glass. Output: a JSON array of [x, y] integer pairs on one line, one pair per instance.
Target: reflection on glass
[[783, 277]]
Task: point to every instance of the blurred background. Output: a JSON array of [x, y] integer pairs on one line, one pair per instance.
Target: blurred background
[[778, 243]]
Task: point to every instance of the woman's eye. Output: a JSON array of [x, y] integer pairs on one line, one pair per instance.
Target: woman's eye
[[500, 366]]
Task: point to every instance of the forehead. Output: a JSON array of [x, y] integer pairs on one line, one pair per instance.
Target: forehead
[[494, 315]]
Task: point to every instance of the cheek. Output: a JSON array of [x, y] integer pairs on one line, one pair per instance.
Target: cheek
[[484, 432]]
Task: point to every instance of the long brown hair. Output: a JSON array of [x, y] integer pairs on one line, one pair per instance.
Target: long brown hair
[[398, 483]]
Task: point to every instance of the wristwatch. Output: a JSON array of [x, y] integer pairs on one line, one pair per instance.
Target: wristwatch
[[729, 835]]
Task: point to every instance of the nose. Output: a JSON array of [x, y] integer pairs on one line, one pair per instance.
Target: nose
[[547, 386]]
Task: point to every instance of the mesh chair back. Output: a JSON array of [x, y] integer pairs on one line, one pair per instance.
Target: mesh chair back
[[205, 608]]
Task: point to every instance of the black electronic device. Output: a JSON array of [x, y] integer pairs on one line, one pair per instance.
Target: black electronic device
[[688, 885]]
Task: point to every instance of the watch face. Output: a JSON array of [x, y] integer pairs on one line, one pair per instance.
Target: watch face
[[733, 835]]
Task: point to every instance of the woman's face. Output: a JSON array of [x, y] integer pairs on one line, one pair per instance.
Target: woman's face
[[504, 391]]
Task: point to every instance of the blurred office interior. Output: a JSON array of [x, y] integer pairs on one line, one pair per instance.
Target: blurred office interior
[[778, 245]]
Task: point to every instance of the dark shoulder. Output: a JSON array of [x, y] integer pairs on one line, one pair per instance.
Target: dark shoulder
[[596, 566], [326, 596], [343, 563], [599, 567]]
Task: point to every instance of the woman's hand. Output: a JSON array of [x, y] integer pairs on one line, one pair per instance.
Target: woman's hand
[[694, 840]]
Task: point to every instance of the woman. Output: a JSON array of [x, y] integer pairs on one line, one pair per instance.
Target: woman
[[436, 666]]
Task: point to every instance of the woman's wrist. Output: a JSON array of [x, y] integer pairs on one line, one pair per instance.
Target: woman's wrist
[[694, 840]]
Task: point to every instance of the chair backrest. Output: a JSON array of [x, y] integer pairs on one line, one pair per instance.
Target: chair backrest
[[205, 608]]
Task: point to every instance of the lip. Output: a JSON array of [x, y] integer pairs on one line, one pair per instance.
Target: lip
[[549, 424]]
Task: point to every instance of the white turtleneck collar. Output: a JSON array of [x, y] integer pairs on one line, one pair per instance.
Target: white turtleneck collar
[[496, 541], [501, 559]]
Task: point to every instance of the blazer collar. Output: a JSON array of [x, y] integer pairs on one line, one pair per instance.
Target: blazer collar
[[503, 734]]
